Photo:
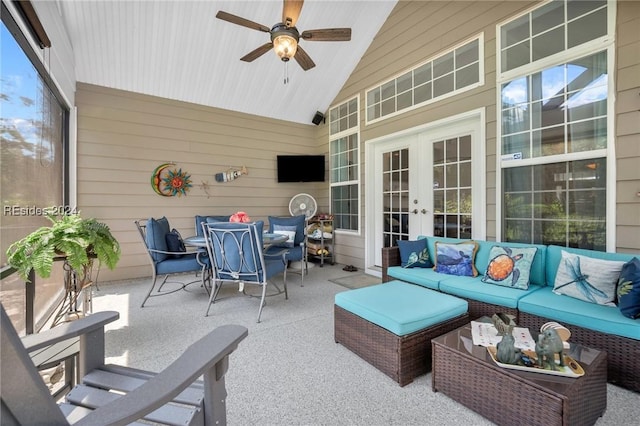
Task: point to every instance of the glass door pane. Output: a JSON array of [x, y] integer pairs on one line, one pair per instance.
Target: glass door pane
[[395, 196], [452, 187]]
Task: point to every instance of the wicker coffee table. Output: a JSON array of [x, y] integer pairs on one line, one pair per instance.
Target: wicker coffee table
[[466, 374]]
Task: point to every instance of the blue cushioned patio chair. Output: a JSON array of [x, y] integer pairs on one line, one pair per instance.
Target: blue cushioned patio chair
[[113, 394], [236, 250], [295, 227], [204, 219], [164, 262]]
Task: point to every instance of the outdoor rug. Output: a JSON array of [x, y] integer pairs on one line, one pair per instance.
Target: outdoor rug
[[354, 281]]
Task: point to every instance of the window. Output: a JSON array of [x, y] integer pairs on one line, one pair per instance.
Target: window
[[554, 126], [34, 146], [344, 165], [557, 203], [454, 71], [556, 27]]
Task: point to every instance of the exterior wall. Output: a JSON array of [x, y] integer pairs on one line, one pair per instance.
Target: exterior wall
[[416, 31], [628, 127], [123, 137]]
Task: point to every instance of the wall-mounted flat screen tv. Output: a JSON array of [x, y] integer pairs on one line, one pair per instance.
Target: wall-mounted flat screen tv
[[300, 168]]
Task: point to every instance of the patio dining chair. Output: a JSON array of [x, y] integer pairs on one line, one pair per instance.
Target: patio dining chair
[[236, 250], [165, 260], [295, 228], [109, 394]]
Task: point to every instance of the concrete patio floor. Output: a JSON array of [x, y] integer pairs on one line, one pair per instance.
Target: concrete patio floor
[[288, 370]]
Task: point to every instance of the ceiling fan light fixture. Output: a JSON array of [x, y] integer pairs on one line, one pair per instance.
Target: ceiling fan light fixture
[[285, 41]]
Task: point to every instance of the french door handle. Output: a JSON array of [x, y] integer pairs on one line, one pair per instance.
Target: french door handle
[[414, 211], [424, 211]]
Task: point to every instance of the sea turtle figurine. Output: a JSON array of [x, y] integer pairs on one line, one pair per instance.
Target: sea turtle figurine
[[503, 265]]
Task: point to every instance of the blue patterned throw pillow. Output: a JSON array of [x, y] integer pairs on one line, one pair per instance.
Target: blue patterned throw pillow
[[414, 254], [456, 259], [587, 278], [510, 266], [629, 289]]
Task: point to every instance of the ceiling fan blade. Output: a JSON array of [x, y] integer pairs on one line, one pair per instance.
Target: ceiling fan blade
[[327, 34], [256, 53], [303, 59], [241, 21], [291, 11]]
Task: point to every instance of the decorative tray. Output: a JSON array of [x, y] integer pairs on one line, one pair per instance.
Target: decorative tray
[[571, 368]]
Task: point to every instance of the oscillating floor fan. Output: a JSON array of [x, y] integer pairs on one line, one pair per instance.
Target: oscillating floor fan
[[303, 204]]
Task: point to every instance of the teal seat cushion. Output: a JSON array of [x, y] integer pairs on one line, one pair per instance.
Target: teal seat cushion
[[570, 311], [475, 289], [424, 277], [400, 307]]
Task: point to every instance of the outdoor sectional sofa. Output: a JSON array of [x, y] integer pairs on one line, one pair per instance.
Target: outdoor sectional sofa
[[592, 325]]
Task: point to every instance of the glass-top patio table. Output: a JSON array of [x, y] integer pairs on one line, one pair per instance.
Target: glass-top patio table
[[467, 374], [268, 240]]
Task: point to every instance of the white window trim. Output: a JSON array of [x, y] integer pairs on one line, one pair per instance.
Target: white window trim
[[480, 212], [351, 130], [481, 81], [603, 43], [566, 55], [345, 133]]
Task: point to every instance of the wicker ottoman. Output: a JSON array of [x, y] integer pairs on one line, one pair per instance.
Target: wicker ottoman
[[391, 325]]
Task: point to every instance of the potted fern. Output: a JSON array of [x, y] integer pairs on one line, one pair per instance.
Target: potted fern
[[70, 237]]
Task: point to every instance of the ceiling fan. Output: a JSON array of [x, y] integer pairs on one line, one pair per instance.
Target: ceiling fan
[[285, 36]]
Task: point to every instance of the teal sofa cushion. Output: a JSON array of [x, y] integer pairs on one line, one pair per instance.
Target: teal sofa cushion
[[475, 289], [401, 308], [425, 277], [569, 311]]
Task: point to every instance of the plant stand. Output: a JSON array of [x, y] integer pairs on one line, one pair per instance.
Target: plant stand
[[77, 300]]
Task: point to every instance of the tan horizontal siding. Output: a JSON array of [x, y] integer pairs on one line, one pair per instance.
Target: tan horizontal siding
[[123, 137], [417, 31], [414, 33], [628, 127]]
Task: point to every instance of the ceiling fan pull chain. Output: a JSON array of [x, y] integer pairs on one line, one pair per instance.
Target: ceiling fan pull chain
[[286, 73]]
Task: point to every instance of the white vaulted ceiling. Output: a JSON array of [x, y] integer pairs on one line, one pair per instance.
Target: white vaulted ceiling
[[179, 50]]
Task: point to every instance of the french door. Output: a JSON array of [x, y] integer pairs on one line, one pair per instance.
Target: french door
[[424, 184]]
